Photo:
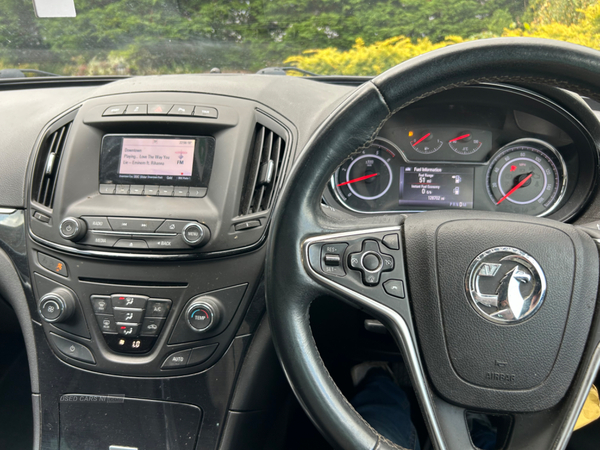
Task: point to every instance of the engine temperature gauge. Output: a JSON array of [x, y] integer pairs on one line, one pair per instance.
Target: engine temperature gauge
[[465, 143]]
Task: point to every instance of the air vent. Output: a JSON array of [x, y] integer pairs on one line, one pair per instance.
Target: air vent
[[264, 170], [48, 162]]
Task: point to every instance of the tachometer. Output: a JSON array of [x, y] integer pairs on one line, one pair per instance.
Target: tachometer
[[527, 176], [364, 181]]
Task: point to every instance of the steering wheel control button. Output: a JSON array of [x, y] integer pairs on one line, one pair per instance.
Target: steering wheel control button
[[72, 349], [177, 360], [128, 315], [388, 263], [53, 264], [392, 241], [72, 228], [107, 324], [128, 301], [371, 262], [395, 288], [115, 110], [201, 354], [101, 304], [152, 326], [158, 308], [332, 255]]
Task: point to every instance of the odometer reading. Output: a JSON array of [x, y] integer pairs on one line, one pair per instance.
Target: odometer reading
[[526, 177]]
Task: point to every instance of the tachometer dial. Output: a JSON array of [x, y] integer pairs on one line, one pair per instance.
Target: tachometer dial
[[363, 182], [527, 176], [425, 142]]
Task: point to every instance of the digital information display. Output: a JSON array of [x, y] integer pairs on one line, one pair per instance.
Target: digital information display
[[156, 160], [144, 156], [436, 186]]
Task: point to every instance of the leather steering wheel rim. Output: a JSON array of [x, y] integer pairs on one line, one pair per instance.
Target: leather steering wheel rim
[[351, 127]]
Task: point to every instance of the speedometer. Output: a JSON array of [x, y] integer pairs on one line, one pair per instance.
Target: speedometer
[[527, 176]]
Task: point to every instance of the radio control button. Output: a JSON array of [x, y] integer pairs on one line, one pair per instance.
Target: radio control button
[[100, 240], [197, 192], [193, 233], [136, 189], [97, 223], [131, 244], [180, 191], [122, 189], [128, 301], [135, 225], [172, 226], [150, 190], [165, 191], [107, 189], [166, 243]]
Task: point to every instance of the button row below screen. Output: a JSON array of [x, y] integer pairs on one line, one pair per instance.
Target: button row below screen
[[152, 190]]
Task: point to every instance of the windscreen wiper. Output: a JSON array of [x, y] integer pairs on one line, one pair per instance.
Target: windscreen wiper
[[284, 70], [20, 73]]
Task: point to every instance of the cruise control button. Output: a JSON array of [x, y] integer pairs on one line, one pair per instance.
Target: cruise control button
[[394, 288], [107, 324], [181, 110], [158, 307], [114, 110], [332, 260], [101, 304], [178, 359], [130, 315], [392, 241], [131, 244], [97, 223], [128, 329], [329, 254], [128, 301], [201, 354], [53, 264], [134, 225], [152, 326], [72, 349]]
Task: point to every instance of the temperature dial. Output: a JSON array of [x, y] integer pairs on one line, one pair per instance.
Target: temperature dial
[[202, 315]]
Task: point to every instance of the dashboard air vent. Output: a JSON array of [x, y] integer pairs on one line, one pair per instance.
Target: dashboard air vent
[[48, 162], [264, 171]]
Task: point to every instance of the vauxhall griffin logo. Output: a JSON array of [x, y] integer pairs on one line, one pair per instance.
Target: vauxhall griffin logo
[[506, 285]]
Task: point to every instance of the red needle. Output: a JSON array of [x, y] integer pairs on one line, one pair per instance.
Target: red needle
[[464, 136], [509, 193], [358, 179], [422, 139]]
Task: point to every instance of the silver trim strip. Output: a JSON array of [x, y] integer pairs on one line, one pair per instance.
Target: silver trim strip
[[7, 210], [400, 329], [132, 233]]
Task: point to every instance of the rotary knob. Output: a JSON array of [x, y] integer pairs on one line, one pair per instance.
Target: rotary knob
[[202, 315], [195, 234], [57, 306], [72, 228]]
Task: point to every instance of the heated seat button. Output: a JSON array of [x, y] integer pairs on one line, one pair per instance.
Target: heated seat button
[[394, 288], [129, 301], [107, 324], [201, 354], [176, 360], [72, 349], [101, 304], [152, 326], [131, 315], [158, 307]]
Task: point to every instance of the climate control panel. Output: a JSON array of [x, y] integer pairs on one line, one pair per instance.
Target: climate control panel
[[134, 233]]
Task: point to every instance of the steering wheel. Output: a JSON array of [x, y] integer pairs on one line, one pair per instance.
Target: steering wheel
[[431, 277]]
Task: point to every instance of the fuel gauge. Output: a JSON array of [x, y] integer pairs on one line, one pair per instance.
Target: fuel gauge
[[424, 142]]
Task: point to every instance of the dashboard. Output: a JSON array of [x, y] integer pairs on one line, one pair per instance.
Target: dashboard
[[492, 148], [134, 215]]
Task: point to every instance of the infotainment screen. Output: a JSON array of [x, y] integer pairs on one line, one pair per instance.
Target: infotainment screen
[[158, 160], [436, 186]]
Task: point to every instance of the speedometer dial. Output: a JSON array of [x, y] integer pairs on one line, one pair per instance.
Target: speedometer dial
[[527, 176]]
